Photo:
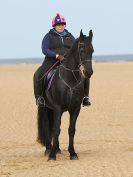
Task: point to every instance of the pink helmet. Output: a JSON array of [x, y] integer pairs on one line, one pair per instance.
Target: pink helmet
[[58, 19]]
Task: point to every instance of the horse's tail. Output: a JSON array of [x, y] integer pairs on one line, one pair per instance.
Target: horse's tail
[[45, 126]]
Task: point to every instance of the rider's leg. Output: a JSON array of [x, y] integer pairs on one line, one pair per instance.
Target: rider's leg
[[39, 83], [86, 99], [38, 88]]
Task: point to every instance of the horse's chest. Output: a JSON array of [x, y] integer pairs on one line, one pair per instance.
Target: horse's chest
[[75, 97]]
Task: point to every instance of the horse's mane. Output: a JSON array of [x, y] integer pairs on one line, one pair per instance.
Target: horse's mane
[[73, 48]]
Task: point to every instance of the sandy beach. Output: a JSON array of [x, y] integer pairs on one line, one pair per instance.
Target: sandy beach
[[104, 132]]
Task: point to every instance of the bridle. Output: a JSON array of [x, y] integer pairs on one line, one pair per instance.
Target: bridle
[[81, 48]]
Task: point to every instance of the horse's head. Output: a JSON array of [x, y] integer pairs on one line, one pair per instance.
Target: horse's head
[[85, 50]]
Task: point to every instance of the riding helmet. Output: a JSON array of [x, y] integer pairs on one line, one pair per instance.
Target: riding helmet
[[58, 19]]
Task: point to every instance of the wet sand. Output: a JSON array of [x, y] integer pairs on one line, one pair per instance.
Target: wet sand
[[104, 132]]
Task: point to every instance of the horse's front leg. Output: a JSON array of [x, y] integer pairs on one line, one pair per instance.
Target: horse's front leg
[[56, 133], [73, 117]]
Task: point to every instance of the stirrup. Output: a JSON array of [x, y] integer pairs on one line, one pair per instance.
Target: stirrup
[[40, 102]]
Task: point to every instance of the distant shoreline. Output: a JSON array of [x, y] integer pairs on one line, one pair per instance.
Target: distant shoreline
[[100, 58]]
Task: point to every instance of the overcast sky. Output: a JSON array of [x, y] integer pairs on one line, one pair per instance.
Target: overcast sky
[[23, 24]]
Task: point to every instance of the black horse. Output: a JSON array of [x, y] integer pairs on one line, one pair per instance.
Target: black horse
[[65, 94]]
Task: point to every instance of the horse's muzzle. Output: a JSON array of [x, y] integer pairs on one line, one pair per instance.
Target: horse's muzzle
[[88, 73]]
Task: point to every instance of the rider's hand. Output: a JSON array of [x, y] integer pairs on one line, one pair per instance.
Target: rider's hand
[[60, 57]]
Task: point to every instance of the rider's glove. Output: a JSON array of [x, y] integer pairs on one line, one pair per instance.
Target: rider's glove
[[60, 57]]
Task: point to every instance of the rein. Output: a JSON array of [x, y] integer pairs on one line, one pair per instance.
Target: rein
[[71, 70], [49, 70], [81, 46]]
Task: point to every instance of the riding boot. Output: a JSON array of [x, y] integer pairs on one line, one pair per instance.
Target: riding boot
[[38, 92], [86, 99]]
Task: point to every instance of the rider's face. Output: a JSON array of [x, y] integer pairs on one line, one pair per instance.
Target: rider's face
[[60, 27]]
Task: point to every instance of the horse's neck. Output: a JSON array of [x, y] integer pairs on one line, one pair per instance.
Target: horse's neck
[[70, 72], [71, 62]]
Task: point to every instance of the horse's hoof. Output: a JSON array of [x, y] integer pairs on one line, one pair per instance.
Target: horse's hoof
[[51, 158], [75, 157], [58, 151], [47, 152]]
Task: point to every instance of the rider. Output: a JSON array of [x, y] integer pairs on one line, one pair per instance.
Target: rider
[[55, 44]]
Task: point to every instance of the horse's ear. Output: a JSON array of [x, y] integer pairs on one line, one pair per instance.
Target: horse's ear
[[90, 34], [81, 36]]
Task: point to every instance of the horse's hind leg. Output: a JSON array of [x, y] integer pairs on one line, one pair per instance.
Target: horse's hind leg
[[73, 117], [50, 129], [49, 140], [56, 132]]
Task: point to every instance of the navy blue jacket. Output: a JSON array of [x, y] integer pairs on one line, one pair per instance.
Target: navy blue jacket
[[56, 43]]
